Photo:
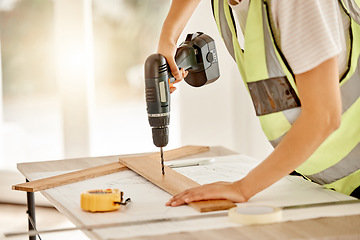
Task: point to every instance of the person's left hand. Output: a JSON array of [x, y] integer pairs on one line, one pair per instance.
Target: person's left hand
[[217, 190]]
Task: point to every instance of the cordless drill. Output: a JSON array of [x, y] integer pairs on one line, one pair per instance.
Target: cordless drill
[[197, 54]]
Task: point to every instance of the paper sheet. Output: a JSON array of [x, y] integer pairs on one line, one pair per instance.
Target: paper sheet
[[148, 201]]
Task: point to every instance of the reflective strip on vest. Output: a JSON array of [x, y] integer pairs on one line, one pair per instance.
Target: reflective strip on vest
[[353, 9], [336, 163], [349, 92], [224, 28], [337, 171]]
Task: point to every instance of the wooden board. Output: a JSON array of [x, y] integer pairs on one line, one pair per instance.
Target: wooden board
[[172, 182], [102, 170], [180, 152], [71, 177]]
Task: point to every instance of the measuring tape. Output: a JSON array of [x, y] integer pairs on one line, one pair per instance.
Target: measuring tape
[[102, 200]]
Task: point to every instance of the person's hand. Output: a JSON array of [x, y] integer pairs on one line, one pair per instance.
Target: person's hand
[[217, 190], [168, 50]]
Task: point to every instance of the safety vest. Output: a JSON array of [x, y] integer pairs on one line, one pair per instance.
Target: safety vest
[[270, 82]]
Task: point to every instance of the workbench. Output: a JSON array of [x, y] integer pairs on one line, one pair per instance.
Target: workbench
[[321, 228]]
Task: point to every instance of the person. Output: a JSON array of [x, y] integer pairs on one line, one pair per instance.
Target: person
[[306, 51]]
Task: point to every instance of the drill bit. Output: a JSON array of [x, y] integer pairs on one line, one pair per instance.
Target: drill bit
[[162, 161]]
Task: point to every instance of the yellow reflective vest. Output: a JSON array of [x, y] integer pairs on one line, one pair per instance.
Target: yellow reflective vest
[[270, 82]]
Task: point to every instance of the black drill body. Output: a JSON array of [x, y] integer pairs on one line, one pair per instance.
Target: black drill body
[[198, 56]]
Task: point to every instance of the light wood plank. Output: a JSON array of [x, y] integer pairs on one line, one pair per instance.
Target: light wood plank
[[68, 178], [172, 182], [181, 152], [80, 175]]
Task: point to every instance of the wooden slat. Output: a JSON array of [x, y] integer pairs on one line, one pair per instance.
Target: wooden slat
[[71, 177], [181, 152], [212, 205], [172, 182], [76, 176]]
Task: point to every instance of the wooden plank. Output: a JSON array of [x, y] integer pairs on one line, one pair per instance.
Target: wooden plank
[[71, 177], [181, 152], [172, 182], [76, 176]]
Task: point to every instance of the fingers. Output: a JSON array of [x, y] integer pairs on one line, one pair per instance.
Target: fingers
[[172, 88], [217, 190], [179, 74], [183, 74], [175, 70], [181, 198], [190, 195], [167, 48], [186, 73]]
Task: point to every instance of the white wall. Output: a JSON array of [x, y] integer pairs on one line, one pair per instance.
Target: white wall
[[73, 37], [220, 113], [2, 161]]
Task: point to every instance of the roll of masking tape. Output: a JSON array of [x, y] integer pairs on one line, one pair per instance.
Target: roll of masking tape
[[251, 215]]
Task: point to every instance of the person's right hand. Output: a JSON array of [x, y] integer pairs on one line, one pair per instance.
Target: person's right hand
[[168, 50]]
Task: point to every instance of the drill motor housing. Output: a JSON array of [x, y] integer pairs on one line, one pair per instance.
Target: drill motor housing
[[197, 54]]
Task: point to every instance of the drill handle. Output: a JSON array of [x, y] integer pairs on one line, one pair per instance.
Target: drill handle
[[185, 58]]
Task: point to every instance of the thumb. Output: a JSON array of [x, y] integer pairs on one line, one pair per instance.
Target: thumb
[[174, 69]]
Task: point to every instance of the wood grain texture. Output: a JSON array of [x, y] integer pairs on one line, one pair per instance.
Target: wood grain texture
[[68, 178], [180, 152], [80, 175], [172, 182]]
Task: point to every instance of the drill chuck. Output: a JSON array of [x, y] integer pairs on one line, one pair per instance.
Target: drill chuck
[[160, 136], [159, 121], [160, 131]]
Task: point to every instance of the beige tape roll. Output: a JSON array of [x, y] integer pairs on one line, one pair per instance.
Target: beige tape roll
[[251, 215]]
